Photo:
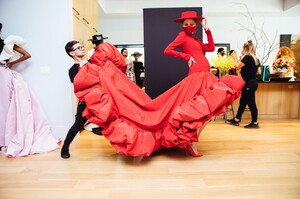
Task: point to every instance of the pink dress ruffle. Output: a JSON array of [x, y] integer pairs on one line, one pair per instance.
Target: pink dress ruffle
[[24, 129]]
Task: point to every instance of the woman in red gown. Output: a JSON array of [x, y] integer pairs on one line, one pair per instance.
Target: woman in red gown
[[135, 124], [192, 50]]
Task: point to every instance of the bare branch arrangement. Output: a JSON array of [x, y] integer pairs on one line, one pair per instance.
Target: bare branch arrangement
[[261, 40]]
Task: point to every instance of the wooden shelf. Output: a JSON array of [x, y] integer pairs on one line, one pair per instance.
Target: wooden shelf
[[276, 100], [85, 19]]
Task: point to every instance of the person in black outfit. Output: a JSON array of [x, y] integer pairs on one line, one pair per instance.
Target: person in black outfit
[[76, 51], [232, 53], [96, 41], [249, 66], [138, 68], [221, 52]]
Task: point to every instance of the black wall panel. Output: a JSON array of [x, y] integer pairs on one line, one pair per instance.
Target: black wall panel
[[163, 72]]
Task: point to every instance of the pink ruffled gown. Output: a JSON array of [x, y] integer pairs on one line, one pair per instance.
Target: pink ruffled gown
[[24, 128]]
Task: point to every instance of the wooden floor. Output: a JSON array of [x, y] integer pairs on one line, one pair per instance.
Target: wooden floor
[[237, 163]]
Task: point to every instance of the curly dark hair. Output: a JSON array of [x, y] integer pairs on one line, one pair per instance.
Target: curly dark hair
[[1, 40]]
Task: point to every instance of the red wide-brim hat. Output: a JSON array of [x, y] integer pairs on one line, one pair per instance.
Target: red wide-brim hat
[[188, 15]]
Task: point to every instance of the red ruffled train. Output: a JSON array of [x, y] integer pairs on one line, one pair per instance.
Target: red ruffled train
[[135, 124]]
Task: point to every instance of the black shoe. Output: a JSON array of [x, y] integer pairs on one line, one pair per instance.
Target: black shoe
[[64, 153], [233, 122], [252, 126], [97, 131]]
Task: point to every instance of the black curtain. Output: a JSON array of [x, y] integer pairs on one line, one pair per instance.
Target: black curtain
[[163, 72]]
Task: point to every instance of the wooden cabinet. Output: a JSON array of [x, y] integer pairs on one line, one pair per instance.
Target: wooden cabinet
[[85, 25], [85, 20], [276, 100]]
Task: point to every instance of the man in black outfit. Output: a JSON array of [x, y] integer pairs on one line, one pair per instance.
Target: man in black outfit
[[76, 51]]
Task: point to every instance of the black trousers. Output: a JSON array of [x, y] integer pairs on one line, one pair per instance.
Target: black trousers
[[139, 81], [248, 98], [78, 124]]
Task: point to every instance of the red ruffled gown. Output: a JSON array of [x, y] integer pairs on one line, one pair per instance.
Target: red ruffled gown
[[135, 124]]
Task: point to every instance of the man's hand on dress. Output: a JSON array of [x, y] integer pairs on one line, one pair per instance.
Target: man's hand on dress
[[82, 62]]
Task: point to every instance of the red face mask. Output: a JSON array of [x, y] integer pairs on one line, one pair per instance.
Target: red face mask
[[189, 30]]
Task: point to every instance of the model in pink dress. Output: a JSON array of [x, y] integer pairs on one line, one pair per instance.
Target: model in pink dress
[[24, 129]]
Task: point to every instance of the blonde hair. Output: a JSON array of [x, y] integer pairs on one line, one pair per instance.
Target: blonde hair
[[249, 49]]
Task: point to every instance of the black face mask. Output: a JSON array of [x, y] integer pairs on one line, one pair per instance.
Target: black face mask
[[125, 55], [222, 54]]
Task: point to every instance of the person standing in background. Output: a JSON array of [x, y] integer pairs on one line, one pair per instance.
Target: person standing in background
[[96, 40], [249, 66], [138, 69], [233, 56], [129, 70], [221, 52]]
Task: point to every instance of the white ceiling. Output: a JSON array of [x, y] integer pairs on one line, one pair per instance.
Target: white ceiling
[[135, 7]]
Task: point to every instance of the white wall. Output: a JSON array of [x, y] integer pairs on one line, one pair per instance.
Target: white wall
[[226, 30], [47, 27], [124, 25]]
